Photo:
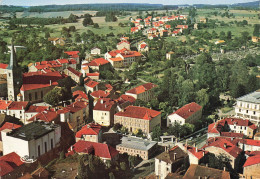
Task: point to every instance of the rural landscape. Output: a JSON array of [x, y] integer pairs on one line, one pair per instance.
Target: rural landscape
[[130, 90]]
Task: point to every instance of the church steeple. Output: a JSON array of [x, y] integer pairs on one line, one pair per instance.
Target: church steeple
[[12, 62]]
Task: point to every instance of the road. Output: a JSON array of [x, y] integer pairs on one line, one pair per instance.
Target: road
[[146, 167]]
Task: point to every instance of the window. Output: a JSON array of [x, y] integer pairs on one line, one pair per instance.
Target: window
[[51, 143], [254, 112], [39, 150], [45, 146], [246, 111], [9, 74], [247, 105]]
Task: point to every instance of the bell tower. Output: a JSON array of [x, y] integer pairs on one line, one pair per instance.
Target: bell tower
[[14, 77]]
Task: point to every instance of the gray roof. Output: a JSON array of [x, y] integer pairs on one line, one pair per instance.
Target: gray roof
[[136, 143], [33, 130], [251, 97]]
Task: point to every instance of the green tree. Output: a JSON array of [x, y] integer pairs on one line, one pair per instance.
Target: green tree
[[256, 31], [52, 97], [123, 166], [96, 25], [156, 133], [202, 97]]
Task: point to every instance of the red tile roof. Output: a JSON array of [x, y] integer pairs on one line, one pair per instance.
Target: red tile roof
[[142, 88], [117, 59], [36, 80], [198, 154], [8, 125], [70, 53], [98, 62], [91, 83], [225, 144], [74, 71], [3, 66], [62, 61], [4, 104], [113, 53], [89, 129], [253, 160], [188, 110], [93, 74], [247, 142], [181, 27], [99, 149], [79, 95], [134, 29], [240, 122], [232, 134], [76, 106], [143, 45], [47, 116], [9, 162], [139, 113], [104, 104], [125, 97], [100, 94], [36, 109], [126, 54], [18, 105]]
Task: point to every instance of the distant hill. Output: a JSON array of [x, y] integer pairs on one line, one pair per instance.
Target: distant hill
[[254, 4]]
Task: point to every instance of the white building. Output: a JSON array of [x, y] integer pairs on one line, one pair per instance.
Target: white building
[[248, 107], [32, 140], [95, 51], [189, 113]]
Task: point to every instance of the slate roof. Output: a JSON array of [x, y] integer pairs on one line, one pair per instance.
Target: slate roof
[[251, 97], [138, 144]]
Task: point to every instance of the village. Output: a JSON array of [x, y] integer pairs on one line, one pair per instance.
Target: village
[[64, 108]]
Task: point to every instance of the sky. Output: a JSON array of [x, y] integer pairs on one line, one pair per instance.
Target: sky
[[165, 2]]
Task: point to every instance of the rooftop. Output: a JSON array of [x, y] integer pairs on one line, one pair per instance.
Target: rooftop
[[253, 160], [89, 129], [187, 110], [33, 130], [251, 97], [8, 163], [168, 156], [142, 88], [136, 143]]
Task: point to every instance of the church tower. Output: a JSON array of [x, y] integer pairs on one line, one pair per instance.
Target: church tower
[[14, 77]]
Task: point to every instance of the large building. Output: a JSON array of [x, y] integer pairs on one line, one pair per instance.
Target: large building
[[143, 92], [189, 113], [251, 167], [91, 132], [248, 107], [134, 118], [137, 147], [32, 140]]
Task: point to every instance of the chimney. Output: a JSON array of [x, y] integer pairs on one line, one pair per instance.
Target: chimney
[[105, 105], [101, 101], [22, 107], [6, 101], [165, 149], [207, 165], [50, 82], [196, 149], [225, 145], [224, 168], [203, 153], [73, 105], [174, 156]]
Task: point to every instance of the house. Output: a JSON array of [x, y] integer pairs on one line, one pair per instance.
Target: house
[[100, 94], [235, 126], [116, 62], [248, 107], [37, 84], [93, 76], [137, 147], [32, 111], [124, 101], [247, 144], [3, 68], [167, 27], [99, 64], [124, 38], [198, 171], [219, 42], [73, 55], [134, 118], [143, 47], [10, 126], [11, 166], [91, 132], [34, 139], [169, 54], [143, 92], [182, 27], [48, 116], [104, 110], [203, 20], [75, 114], [169, 161], [57, 41], [151, 31], [163, 33], [14, 108], [103, 151], [134, 29], [255, 39], [74, 74], [95, 51], [123, 45], [176, 32], [220, 145], [251, 167], [196, 156], [90, 85], [189, 113]]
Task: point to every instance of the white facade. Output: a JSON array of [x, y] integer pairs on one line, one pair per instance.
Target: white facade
[[248, 110], [95, 51], [102, 117], [32, 148], [162, 169], [171, 119]]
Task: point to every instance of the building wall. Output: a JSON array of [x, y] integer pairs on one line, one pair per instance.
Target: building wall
[[242, 129], [193, 159], [35, 95], [3, 89], [171, 119], [72, 75], [95, 51], [134, 124], [30, 148], [249, 111], [123, 45], [217, 151], [246, 147], [102, 117], [133, 152], [162, 169], [252, 171]]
